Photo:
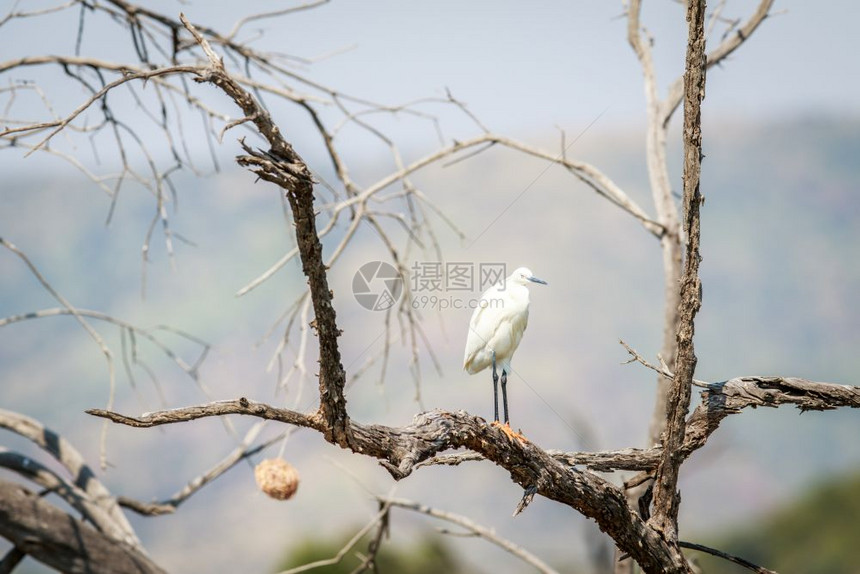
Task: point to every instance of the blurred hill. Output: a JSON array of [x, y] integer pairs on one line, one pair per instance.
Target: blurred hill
[[816, 533], [429, 555], [781, 238]]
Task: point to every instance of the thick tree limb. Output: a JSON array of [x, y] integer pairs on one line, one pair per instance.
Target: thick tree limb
[[659, 114], [284, 167], [54, 538], [74, 496], [403, 449], [716, 56], [666, 498], [719, 400], [723, 399], [11, 560], [730, 397], [400, 449], [112, 520]]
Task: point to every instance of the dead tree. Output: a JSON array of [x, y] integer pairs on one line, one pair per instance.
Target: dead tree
[[645, 530]]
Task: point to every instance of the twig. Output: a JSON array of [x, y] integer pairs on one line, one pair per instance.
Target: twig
[[346, 547], [34, 13], [662, 370], [475, 529], [368, 561], [87, 327], [719, 553], [189, 369], [273, 14], [240, 453], [528, 496]]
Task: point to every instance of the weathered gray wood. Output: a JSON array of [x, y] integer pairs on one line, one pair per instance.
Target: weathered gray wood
[[54, 538], [402, 450], [667, 499], [93, 493]]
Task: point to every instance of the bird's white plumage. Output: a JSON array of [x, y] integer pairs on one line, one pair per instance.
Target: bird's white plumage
[[498, 323]]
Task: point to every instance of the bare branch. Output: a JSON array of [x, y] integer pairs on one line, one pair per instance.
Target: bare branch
[[61, 124], [718, 401], [368, 561], [346, 547], [84, 478], [35, 13], [189, 369], [94, 335], [587, 173], [659, 114], [273, 14], [11, 560], [719, 553], [661, 370], [91, 510], [268, 273], [474, 528], [400, 449], [51, 536], [160, 41], [240, 453], [240, 406], [664, 204]]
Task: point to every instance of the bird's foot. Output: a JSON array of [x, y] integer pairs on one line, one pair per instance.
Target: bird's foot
[[509, 432]]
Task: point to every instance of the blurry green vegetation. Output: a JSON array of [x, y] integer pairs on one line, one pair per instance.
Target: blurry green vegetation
[[818, 534], [425, 555]]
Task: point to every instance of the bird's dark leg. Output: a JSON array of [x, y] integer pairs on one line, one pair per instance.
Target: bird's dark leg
[[506, 428], [505, 395], [496, 390]]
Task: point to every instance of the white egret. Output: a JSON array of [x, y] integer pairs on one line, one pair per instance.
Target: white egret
[[495, 332]]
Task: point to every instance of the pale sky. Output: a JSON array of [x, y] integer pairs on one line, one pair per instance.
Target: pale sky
[[524, 69], [526, 66]]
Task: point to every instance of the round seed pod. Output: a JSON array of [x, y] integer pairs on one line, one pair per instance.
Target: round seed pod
[[277, 478]]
